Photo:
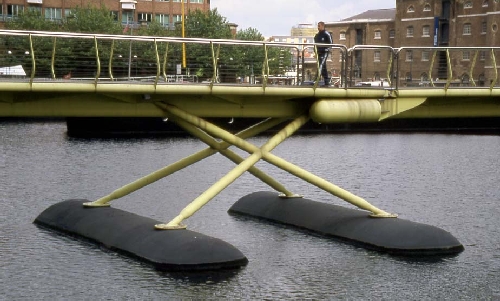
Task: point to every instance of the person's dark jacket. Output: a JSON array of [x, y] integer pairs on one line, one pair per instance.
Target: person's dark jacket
[[323, 37]]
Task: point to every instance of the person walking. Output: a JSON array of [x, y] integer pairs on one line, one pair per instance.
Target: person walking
[[323, 37]]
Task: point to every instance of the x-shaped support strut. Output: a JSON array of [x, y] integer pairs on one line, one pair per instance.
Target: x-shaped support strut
[[203, 130]]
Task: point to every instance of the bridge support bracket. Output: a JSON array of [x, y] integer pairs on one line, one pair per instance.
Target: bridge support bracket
[[383, 215], [95, 204], [293, 196], [170, 227]]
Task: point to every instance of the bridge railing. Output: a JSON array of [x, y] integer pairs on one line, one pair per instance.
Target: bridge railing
[[56, 56], [423, 67]]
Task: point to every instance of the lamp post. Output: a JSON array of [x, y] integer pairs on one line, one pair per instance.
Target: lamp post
[[129, 4], [135, 59], [10, 63]]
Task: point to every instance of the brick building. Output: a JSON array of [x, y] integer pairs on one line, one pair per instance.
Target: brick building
[[373, 27], [424, 25], [167, 12]]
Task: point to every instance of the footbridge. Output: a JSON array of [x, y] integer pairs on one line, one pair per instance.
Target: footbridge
[[186, 81]]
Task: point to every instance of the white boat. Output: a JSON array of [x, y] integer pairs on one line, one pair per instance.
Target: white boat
[[12, 71]]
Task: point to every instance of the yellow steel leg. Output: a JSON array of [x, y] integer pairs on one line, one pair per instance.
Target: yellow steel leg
[[161, 173], [153, 177], [245, 165], [289, 167], [222, 147]]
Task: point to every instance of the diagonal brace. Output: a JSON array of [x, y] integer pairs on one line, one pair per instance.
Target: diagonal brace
[[222, 147], [283, 164], [230, 177], [183, 163]]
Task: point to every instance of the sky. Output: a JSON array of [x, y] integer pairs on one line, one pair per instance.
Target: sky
[[277, 17]]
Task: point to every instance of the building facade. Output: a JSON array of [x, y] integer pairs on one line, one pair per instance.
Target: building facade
[[420, 28], [373, 27], [167, 12]]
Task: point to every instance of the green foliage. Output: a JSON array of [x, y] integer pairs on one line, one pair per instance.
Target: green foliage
[[249, 34], [210, 24], [91, 19], [32, 20], [78, 56], [155, 29]]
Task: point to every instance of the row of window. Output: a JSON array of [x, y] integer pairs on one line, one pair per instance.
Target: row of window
[[54, 13], [185, 1], [426, 31], [424, 77], [467, 5], [466, 55], [467, 29], [411, 8]]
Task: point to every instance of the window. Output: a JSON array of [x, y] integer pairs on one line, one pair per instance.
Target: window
[[425, 55], [427, 7], [127, 17], [378, 34], [466, 55], [145, 17], [52, 13], [195, 1], [426, 29], [409, 31], [468, 4], [376, 56], [484, 27], [37, 9], [392, 34], [185, 1], [162, 19], [424, 77], [410, 9], [14, 10], [485, 3], [342, 35], [482, 55], [114, 14], [409, 55], [177, 18], [467, 29]]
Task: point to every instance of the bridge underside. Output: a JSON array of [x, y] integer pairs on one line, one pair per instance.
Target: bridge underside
[[139, 100]]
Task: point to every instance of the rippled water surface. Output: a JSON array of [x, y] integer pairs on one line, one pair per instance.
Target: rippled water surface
[[449, 181]]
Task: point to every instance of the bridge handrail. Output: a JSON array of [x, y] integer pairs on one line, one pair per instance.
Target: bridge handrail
[[347, 62]]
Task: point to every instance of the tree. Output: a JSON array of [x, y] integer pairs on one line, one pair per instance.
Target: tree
[[18, 47], [70, 55], [91, 19], [203, 25]]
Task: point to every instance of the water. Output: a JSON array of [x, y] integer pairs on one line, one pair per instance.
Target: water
[[449, 181]]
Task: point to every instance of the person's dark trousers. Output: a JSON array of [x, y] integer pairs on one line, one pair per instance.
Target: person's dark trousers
[[324, 70]]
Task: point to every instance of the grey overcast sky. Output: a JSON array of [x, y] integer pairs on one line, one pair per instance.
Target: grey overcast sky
[[277, 17]]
